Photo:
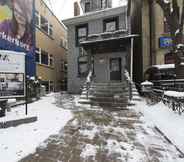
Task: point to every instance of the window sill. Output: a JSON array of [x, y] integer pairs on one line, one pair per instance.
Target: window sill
[[51, 67], [45, 32]]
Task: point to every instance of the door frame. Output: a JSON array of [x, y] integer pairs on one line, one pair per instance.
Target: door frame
[[120, 67]]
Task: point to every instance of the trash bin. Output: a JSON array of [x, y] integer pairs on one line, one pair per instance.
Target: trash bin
[[3, 108]]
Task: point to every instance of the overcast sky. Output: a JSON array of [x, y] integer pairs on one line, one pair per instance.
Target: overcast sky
[[63, 9]]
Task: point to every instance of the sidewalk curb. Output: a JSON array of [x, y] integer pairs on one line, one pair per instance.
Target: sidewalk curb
[[14, 123], [181, 152]]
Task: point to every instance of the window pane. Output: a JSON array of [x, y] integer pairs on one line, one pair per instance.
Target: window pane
[[44, 24], [87, 6], [37, 55], [82, 32], [50, 29], [44, 57], [111, 26], [37, 19]]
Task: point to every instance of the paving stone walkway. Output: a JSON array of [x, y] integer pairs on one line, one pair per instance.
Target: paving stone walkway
[[97, 135]]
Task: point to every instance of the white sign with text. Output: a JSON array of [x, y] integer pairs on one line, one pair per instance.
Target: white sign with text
[[12, 74]]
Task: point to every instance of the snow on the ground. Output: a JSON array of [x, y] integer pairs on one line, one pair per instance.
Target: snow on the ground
[[169, 122], [89, 151], [174, 94], [17, 142]]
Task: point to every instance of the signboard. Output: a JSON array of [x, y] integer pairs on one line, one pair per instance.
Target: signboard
[[165, 42], [17, 28], [12, 74]]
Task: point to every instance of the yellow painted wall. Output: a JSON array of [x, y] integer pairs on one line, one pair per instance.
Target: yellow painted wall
[[52, 46]]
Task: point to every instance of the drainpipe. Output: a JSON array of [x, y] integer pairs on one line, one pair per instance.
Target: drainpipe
[[131, 68], [131, 58]]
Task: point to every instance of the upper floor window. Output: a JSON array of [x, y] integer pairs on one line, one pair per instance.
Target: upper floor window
[[104, 3], [81, 33], [37, 19], [87, 7], [44, 57], [166, 26], [38, 55], [111, 24], [50, 29], [44, 24]]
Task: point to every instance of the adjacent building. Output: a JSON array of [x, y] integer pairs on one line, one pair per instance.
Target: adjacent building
[[51, 48], [154, 45], [99, 41]]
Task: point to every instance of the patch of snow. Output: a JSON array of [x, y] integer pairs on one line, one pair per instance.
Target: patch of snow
[[32, 78], [13, 100], [146, 83], [177, 31], [90, 133], [89, 151], [170, 123], [18, 142], [182, 63], [166, 1], [180, 46], [164, 66], [174, 94]]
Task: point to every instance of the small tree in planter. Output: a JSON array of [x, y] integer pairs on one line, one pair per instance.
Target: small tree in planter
[[33, 88]]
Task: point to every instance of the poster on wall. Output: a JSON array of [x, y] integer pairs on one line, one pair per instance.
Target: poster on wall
[[17, 27], [12, 74]]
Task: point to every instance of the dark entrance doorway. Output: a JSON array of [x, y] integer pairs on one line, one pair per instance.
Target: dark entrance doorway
[[115, 69]]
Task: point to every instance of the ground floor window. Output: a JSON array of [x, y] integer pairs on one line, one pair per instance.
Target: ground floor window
[[169, 58], [49, 85]]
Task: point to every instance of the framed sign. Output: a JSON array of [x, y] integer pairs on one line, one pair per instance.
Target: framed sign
[[165, 42], [12, 74]]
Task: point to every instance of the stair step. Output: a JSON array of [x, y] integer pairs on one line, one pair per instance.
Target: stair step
[[103, 104], [97, 94], [104, 99], [114, 91], [110, 84]]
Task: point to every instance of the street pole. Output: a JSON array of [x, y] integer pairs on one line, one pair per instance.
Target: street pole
[[131, 59], [26, 88]]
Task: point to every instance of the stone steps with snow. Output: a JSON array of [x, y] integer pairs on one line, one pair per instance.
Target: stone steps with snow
[[103, 99], [104, 104], [106, 95]]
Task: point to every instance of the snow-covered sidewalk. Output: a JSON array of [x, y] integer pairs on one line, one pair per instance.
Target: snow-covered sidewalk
[[17, 142], [169, 122]]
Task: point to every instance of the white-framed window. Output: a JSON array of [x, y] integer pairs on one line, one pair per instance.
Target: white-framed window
[[37, 19], [81, 33], [50, 29], [38, 55], [44, 57], [44, 24], [111, 24]]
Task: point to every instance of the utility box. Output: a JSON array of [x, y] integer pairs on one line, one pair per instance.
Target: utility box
[[42, 91]]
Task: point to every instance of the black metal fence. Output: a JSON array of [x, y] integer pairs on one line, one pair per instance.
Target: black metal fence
[[173, 102]]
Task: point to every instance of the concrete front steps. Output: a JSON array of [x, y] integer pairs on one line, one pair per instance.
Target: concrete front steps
[[106, 95]]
